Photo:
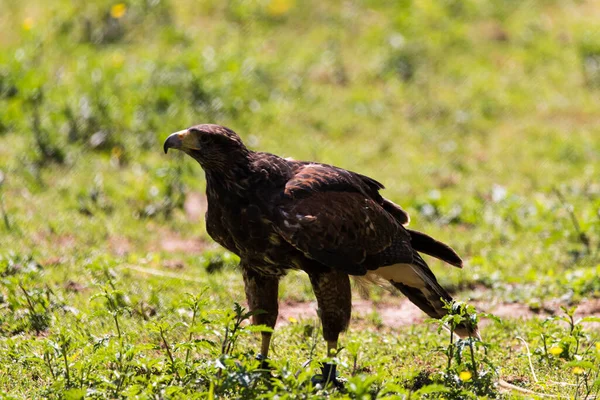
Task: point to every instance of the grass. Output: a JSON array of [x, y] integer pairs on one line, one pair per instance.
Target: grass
[[479, 117]]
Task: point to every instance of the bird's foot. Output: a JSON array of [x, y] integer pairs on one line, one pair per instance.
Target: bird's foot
[[327, 376], [264, 363]]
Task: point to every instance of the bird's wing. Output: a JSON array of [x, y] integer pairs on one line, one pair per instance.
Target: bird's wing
[[428, 245], [421, 241], [310, 178], [397, 211], [330, 215]]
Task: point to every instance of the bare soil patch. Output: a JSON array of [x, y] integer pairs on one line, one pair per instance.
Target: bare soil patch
[[172, 242], [195, 205], [119, 245], [402, 312]]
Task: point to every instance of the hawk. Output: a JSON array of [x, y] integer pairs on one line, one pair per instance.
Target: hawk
[[279, 214]]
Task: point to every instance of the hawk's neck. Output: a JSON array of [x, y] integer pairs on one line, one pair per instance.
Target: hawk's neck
[[228, 180]]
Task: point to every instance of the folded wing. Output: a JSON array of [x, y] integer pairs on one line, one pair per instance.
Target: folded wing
[[335, 217], [428, 245]]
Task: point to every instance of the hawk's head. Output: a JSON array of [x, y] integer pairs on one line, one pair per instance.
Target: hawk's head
[[211, 145]]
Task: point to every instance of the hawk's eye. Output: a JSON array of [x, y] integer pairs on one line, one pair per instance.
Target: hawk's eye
[[203, 139]]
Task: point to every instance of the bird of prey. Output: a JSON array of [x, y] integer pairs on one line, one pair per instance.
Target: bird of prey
[[279, 214]]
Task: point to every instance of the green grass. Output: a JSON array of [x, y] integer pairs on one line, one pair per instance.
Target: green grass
[[479, 117]]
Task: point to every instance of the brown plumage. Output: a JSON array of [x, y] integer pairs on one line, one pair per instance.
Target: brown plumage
[[278, 214]]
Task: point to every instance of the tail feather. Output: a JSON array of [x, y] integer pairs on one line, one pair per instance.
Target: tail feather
[[428, 245], [417, 282]]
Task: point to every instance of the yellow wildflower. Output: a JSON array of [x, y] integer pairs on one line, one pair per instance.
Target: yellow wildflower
[[279, 7], [117, 60], [578, 370], [465, 376], [292, 320], [598, 347], [555, 351], [118, 10], [28, 23]]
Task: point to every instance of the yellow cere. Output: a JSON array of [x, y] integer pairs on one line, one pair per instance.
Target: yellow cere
[[465, 376], [118, 10], [556, 351]]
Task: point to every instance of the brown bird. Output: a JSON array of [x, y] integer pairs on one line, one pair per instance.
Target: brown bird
[[278, 214]]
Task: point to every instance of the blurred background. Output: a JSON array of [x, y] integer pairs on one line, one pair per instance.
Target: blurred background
[[477, 116], [471, 113], [480, 117]]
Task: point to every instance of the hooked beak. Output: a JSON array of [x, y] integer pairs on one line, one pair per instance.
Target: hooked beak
[[175, 140]]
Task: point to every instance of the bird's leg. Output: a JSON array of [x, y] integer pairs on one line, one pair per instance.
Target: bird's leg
[[331, 348], [328, 370], [334, 298], [261, 293], [265, 342]]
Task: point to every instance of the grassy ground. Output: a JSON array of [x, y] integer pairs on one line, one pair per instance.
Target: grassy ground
[[481, 118]]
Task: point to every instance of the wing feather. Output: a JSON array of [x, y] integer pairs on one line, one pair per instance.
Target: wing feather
[[330, 215], [397, 211], [428, 245]]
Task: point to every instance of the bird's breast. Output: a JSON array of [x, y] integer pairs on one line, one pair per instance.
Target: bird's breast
[[245, 230]]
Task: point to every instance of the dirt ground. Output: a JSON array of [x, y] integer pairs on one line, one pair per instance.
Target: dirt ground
[[402, 312]]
